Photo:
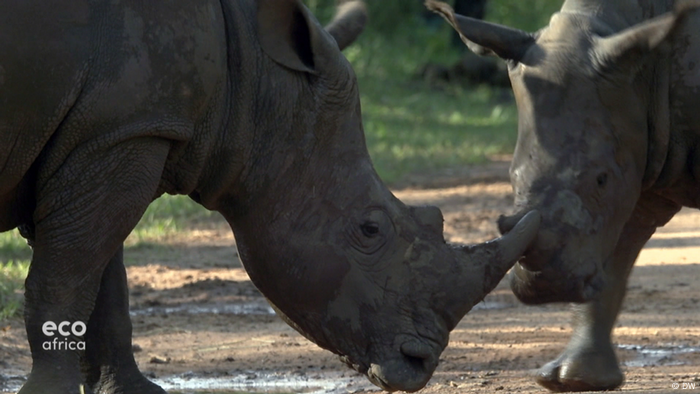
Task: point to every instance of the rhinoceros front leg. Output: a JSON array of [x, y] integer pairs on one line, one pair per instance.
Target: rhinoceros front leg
[[589, 363], [84, 211], [108, 363]]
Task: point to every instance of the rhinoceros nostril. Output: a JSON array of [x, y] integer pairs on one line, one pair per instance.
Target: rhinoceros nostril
[[417, 352]]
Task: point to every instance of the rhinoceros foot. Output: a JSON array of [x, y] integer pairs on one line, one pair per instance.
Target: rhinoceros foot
[[580, 367], [47, 385], [130, 384]]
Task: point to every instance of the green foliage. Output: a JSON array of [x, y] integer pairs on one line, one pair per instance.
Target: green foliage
[[12, 274], [410, 125], [13, 247], [414, 130], [392, 17], [529, 15], [14, 263], [386, 17], [166, 216], [322, 9]]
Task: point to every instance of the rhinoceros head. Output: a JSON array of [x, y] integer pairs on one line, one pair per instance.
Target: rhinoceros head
[[337, 255], [585, 146]]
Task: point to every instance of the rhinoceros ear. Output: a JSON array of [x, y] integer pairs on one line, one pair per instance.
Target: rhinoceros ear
[[348, 23], [625, 53], [291, 35], [484, 38]]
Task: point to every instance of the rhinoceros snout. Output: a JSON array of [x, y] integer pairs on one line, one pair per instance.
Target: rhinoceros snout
[[408, 369], [408, 374], [551, 285], [555, 268]]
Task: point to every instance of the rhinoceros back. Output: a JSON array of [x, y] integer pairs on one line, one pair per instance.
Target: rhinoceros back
[[94, 73]]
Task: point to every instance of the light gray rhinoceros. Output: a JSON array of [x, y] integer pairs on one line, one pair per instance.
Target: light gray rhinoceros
[[249, 108], [608, 150]]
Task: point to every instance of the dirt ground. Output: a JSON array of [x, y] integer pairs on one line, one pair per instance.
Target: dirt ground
[[197, 317]]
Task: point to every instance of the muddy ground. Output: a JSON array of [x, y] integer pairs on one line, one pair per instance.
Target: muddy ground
[[199, 322]]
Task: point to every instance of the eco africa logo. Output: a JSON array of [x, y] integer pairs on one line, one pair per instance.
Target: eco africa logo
[[65, 330]]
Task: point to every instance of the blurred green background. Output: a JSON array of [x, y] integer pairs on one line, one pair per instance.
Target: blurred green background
[[412, 125]]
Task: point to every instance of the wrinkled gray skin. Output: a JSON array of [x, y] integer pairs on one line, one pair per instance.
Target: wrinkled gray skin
[[251, 109], [607, 151]]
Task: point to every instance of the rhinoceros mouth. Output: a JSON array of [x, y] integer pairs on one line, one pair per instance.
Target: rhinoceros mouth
[[405, 373], [551, 285], [407, 369]]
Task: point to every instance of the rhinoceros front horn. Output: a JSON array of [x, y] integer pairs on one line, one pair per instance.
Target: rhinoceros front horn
[[484, 38], [348, 23], [482, 266]]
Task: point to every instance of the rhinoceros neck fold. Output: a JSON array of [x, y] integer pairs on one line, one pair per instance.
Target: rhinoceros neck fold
[[261, 118], [208, 164]]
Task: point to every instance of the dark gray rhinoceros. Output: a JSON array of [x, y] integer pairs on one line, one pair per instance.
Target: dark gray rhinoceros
[[608, 150], [250, 108]]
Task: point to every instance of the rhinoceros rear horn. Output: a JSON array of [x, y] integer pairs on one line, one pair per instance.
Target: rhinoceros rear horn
[[626, 51], [484, 38], [349, 21]]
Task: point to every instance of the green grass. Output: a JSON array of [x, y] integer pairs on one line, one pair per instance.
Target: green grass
[[13, 247], [529, 15], [405, 138], [411, 126], [12, 274], [14, 263], [166, 216]]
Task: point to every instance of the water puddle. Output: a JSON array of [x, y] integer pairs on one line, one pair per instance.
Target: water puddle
[[11, 383], [654, 356], [491, 305], [266, 382], [256, 308], [251, 382], [252, 308]]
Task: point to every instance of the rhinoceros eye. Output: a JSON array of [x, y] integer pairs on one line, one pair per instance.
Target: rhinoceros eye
[[371, 232], [369, 229]]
